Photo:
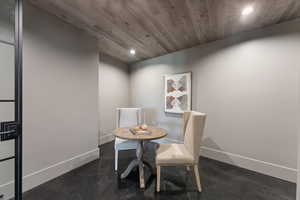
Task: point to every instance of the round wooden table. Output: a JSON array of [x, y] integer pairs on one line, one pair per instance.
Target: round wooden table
[[126, 133]]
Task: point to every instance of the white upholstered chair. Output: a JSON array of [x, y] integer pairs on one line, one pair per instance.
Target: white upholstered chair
[[126, 117], [186, 154]]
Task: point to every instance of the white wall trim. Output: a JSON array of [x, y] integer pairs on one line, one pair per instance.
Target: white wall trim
[[271, 169], [106, 138], [171, 140], [41, 176]]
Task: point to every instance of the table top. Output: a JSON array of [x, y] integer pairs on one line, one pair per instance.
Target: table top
[[155, 133]]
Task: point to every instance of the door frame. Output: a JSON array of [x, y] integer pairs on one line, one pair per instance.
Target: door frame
[[18, 96]]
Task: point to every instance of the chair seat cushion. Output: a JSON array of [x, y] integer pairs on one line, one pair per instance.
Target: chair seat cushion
[[173, 154], [122, 144]]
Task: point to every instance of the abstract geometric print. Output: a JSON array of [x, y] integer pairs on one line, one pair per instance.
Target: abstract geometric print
[[178, 93], [174, 85], [177, 101]]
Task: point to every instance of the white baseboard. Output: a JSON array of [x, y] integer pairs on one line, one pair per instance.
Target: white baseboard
[[39, 177], [259, 166], [106, 138], [171, 140]]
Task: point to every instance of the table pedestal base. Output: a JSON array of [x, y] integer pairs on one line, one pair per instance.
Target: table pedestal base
[[138, 162]]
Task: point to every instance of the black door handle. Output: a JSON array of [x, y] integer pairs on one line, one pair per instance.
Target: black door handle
[[8, 131], [8, 135]]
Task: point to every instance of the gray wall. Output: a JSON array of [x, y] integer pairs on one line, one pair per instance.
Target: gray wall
[[248, 86], [7, 21], [6, 109], [298, 181], [6, 90], [113, 93], [60, 97]]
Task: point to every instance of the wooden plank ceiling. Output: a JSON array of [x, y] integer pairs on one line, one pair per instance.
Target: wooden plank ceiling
[[158, 27]]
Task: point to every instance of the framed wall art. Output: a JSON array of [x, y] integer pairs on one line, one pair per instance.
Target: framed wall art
[[178, 97]]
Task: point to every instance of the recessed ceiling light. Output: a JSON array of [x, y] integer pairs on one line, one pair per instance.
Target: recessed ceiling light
[[132, 52], [247, 10]]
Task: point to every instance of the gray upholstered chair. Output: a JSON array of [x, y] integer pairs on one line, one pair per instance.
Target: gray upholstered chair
[[186, 154]]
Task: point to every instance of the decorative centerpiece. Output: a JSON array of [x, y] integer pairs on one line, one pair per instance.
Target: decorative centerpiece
[[140, 130]]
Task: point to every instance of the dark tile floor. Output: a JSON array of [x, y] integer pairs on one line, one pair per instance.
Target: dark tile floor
[[220, 181]]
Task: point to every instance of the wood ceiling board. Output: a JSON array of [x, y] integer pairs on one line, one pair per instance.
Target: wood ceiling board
[[158, 27]]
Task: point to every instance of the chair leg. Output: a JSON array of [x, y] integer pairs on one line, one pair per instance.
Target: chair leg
[[116, 159], [196, 170], [188, 168], [157, 178]]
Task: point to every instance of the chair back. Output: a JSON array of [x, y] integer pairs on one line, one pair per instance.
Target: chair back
[[194, 123], [127, 117]]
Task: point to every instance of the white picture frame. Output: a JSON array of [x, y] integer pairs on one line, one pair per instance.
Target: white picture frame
[[178, 92]]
